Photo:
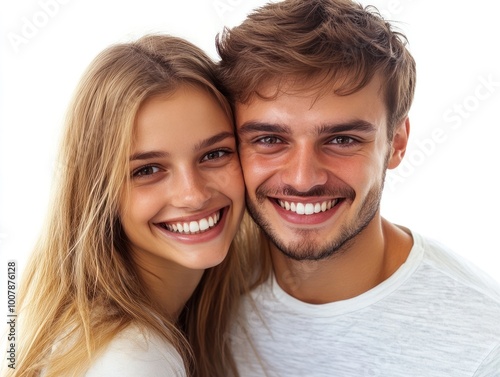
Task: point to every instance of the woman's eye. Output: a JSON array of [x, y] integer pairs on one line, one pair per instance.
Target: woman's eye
[[145, 170], [214, 155]]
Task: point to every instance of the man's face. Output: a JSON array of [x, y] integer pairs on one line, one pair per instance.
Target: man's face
[[314, 166]]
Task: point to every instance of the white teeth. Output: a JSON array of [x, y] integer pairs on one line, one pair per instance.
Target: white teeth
[[308, 208], [194, 226], [203, 224]]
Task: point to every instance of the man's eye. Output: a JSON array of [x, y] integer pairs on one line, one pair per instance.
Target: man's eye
[[342, 140], [145, 170], [269, 140], [214, 155]]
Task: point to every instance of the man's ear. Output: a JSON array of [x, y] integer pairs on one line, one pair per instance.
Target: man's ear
[[399, 143]]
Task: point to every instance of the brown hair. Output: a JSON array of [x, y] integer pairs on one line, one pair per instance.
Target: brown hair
[[326, 44], [80, 288]]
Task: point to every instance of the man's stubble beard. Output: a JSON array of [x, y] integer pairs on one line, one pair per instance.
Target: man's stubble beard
[[307, 249]]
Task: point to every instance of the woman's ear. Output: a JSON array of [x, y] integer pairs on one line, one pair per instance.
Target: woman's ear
[[399, 143]]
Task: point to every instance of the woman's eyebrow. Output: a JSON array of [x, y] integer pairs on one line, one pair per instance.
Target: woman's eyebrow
[[213, 140], [148, 155], [202, 144]]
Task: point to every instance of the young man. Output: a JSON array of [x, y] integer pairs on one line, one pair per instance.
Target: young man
[[322, 91]]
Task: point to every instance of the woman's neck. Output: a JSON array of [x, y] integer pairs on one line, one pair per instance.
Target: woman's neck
[[170, 286]]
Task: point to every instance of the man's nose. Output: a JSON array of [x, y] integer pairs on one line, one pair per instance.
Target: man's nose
[[304, 170]]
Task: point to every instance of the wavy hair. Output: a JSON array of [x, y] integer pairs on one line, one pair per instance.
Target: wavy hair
[[80, 288], [322, 44]]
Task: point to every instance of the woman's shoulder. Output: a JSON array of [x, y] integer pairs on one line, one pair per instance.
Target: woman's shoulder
[[137, 352]]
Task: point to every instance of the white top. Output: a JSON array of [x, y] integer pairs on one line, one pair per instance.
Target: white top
[[435, 316], [133, 353]]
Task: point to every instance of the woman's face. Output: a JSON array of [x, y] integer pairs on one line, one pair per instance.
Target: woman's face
[[186, 197]]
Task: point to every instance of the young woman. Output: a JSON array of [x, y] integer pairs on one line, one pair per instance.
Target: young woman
[[131, 276]]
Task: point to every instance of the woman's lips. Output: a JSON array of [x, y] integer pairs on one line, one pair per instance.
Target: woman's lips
[[193, 226]]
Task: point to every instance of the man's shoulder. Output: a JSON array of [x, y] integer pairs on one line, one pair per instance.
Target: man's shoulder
[[442, 263]]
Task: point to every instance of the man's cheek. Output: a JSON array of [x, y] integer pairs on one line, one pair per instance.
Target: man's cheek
[[254, 168], [248, 159]]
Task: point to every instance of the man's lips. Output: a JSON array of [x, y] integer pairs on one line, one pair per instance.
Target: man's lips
[[194, 226], [309, 208], [307, 212]]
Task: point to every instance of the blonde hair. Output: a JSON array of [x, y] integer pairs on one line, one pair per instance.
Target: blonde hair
[[80, 288]]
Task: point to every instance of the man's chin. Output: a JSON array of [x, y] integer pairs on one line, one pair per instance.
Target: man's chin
[[306, 248], [295, 244]]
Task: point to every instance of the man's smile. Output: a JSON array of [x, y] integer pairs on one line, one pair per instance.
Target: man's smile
[[302, 208]]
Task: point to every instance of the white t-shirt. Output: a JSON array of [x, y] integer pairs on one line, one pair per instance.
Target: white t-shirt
[[435, 316], [133, 353]]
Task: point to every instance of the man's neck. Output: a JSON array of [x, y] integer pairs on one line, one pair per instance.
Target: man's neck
[[376, 253]]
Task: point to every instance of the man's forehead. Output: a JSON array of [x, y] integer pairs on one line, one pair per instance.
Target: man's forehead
[[307, 88], [304, 108]]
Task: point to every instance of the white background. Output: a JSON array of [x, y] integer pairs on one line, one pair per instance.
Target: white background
[[447, 188]]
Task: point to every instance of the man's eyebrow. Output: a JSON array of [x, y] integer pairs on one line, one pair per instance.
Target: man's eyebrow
[[213, 140], [355, 125], [252, 126]]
